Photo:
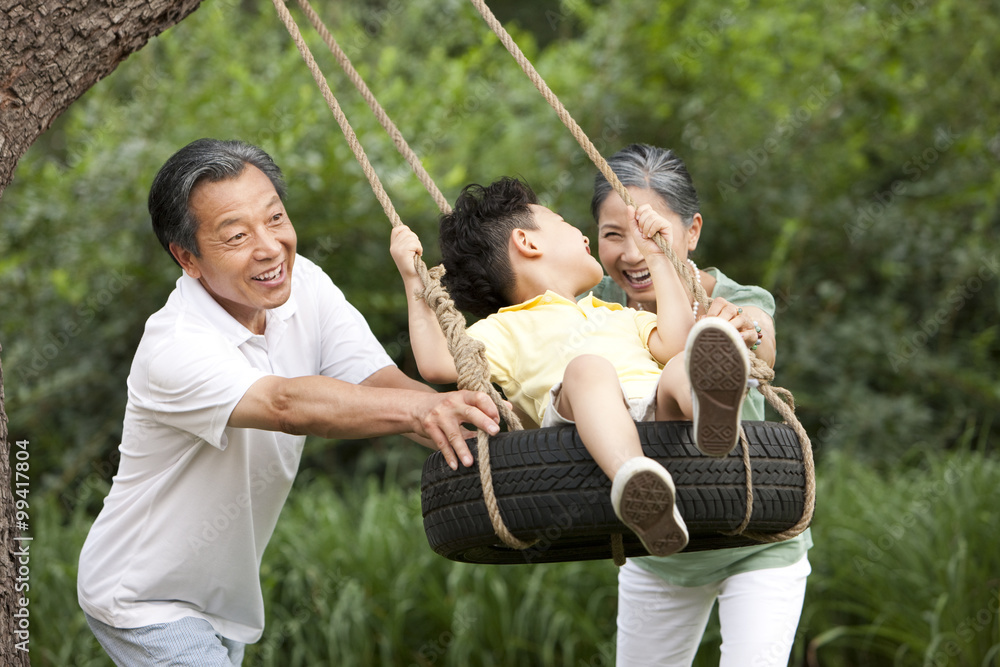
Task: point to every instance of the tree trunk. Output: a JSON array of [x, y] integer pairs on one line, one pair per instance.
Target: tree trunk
[[13, 646], [52, 51]]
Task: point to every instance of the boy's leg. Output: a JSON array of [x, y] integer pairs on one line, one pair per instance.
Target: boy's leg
[[591, 397], [709, 387], [189, 641], [642, 490], [673, 392]]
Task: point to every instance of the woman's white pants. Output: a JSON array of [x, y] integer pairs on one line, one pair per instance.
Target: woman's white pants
[[662, 624]]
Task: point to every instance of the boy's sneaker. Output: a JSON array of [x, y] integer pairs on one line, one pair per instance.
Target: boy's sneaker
[[644, 499], [718, 365]]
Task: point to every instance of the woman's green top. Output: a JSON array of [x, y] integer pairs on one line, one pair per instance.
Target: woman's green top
[[699, 568]]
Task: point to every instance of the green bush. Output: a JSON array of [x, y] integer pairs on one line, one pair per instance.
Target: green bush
[[905, 567], [905, 572], [847, 158], [842, 168]]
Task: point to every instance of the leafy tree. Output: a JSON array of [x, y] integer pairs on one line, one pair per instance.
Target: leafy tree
[[827, 172]]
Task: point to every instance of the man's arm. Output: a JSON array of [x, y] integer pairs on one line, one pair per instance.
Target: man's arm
[[329, 408], [391, 377]]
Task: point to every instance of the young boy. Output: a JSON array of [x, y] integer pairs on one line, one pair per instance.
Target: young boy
[[597, 365]]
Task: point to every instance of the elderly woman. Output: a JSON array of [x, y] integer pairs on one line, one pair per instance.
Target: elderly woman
[[664, 603]]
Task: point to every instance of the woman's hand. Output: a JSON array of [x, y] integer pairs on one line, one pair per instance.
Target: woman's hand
[[742, 319]]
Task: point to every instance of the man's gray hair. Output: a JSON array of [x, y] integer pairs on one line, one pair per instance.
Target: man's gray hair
[[209, 160], [657, 169]]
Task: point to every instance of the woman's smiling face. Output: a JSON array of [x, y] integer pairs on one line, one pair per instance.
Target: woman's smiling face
[[618, 252]]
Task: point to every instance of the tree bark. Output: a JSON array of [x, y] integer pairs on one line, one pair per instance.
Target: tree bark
[[10, 653], [52, 51]]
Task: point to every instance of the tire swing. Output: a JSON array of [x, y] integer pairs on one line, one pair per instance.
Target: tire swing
[[537, 496]]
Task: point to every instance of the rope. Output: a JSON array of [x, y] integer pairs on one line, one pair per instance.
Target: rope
[[383, 118], [748, 485], [617, 549], [783, 401], [780, 399], [469, 354]]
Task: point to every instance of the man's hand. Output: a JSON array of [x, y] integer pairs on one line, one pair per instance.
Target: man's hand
[[440, 417]]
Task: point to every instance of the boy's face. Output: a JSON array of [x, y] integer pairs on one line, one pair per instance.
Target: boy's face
[[567, 250]]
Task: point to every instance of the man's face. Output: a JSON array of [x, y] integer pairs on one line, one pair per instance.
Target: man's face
[[247, 246]]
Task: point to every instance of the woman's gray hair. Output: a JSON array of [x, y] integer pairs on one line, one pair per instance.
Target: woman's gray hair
[[210, 160], [657, 169]]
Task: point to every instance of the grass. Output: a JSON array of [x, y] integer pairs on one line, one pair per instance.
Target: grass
[[906, 571]]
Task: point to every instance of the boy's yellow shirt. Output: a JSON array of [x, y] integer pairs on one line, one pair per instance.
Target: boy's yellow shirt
[[529, 345]]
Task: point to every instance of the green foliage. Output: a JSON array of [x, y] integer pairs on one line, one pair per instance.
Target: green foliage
[[841, 168], [905, 572], [847, 159]]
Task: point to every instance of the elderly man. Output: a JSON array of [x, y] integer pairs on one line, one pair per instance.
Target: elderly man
[[254, 349]]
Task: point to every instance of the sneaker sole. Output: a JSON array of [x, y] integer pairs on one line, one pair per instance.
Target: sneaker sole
[[649, 508], [718, 376]]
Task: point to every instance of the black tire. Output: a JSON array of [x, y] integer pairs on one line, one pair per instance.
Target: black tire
[[549, 489]]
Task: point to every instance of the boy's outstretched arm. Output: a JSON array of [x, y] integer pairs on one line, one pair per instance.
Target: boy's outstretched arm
[[430, 348], [674, 317]]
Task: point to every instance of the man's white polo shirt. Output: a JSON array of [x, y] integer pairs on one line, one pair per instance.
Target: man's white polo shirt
[[194, 503]]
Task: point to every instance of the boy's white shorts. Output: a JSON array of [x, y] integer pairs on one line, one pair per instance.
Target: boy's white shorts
[[640, 409]]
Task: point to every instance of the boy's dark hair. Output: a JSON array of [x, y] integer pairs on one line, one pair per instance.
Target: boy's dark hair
[[475, 239]]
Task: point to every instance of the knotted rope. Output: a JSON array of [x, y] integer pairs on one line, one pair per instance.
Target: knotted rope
[[469, 354], [779, 398]]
